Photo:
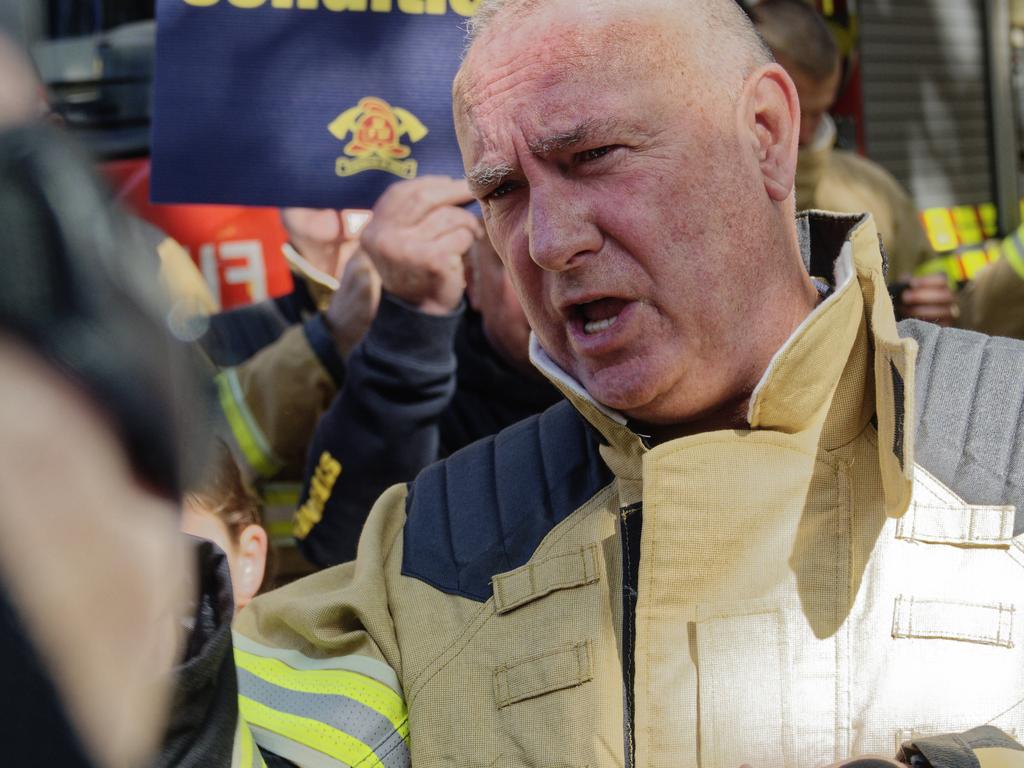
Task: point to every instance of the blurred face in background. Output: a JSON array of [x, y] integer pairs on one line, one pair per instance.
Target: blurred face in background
[[816, 96], [321, 236], [491, 293]]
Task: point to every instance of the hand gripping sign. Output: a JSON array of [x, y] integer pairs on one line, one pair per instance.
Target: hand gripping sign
[[311, 103]]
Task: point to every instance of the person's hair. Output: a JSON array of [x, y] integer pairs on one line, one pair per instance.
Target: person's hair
[[223, 494], [796, 31], [718, 19]]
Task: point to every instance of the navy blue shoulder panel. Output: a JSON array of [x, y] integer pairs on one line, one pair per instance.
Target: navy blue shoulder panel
[[970, 413], [486, 508]]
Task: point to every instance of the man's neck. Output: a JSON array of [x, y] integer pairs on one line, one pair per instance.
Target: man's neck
[[732, 415]]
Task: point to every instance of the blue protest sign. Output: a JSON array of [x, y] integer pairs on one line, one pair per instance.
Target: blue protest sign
[[314, 103]]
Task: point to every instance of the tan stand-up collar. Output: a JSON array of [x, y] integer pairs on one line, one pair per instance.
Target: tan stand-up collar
[[846, 345]]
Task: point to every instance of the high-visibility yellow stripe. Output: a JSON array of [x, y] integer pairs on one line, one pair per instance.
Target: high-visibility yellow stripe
[[938, 223], [338, 682], [363, 665], [281, 495], [989, 219], [246, 431], [310, 733], [1013, 253], [973, 261], [943, 265], [245, 753], [968, 225]]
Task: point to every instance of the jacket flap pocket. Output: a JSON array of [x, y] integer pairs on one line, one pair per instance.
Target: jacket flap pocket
[[535, 580], [938, 516], [987, 624], [564, 667]]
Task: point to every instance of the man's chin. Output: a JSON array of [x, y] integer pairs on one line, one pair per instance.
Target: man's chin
[[629, 394]]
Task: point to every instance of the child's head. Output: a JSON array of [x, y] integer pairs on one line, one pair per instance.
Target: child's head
[[224, 511]]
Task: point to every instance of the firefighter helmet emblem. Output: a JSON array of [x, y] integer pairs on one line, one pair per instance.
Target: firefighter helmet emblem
[[377, 129]]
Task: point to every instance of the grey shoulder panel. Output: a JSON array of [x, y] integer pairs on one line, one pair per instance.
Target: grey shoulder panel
[[969, 396]]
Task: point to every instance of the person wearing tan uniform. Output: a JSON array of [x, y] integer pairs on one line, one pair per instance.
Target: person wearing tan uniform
[[993, 302], [771, 526], [280, 362], [831, 179]]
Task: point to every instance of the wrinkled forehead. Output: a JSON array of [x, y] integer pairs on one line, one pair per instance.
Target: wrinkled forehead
[[560, 59]]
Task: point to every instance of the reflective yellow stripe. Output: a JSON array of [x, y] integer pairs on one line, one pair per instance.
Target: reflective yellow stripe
[[989, 219], [938, 223], [973, 261], [337, 682], [364, 665], [243, 425], [281, 495], [968, 225], [1012, 251], [279, 503], [310, 733], [943, 265], [245, 753]]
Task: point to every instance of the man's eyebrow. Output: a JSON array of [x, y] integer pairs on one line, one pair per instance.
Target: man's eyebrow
[[557, 142], [581, 133], [482, 176]]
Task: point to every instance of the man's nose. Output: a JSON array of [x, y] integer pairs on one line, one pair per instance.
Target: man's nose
[[560, 227]]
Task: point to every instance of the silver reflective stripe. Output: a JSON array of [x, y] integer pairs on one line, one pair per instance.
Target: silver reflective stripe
[[394, 753], [340, 712], [300, 754], [364, 665]]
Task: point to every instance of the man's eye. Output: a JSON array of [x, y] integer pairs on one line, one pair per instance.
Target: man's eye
[[590, 155], [501, 191]]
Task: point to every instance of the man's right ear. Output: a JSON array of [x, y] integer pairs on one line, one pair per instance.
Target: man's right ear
[[772, 117]]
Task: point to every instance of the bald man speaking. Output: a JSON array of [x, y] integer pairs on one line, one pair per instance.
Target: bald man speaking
[[769, 526]]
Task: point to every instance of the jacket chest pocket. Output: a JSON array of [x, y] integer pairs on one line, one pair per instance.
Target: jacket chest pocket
[[554, 629], [536, 603], [553, 670]]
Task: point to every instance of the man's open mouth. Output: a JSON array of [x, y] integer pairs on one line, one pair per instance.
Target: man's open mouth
[[599, 315]]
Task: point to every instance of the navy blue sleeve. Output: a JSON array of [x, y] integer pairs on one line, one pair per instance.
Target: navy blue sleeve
[[382, 428], [323, 345]]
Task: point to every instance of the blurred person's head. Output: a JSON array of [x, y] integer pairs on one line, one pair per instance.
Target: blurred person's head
[[320, 237], [222, 510], [802, 43], [635, 165], [100, 411], [490, 292]]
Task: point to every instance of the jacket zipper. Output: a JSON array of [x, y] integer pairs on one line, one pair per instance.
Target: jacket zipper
[[631, 522]]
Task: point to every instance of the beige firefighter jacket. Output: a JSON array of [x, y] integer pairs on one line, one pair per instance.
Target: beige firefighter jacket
[[993, 302], [788, 595]]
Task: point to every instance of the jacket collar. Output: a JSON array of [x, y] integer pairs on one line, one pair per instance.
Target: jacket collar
[[849, 343], [321, 286]]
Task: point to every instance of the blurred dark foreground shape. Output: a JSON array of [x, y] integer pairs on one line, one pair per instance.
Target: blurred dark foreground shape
[[103, 421]]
